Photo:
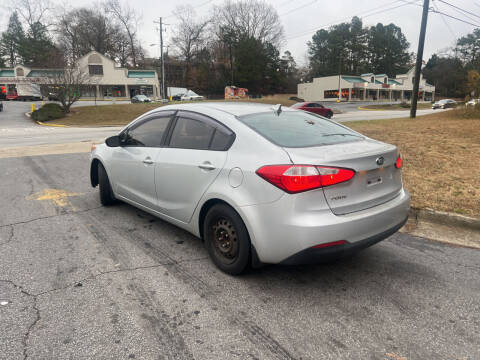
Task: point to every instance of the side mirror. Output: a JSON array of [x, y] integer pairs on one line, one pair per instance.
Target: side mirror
[[113, 141]]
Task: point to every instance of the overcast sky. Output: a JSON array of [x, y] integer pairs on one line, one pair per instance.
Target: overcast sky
[[301, 18]]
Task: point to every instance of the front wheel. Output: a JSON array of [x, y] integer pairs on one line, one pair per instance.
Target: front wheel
[[226, 239], [329, 115], [106, 194]]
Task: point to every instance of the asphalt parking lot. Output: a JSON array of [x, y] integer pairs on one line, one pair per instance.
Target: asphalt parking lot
[[82, 281]]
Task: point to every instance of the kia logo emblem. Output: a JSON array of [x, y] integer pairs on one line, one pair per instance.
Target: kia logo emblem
[[380, 161]]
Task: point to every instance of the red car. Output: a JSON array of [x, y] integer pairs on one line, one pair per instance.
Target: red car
[[315, 108]]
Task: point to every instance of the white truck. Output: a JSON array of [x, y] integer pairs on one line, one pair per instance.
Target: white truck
[[26, 91]]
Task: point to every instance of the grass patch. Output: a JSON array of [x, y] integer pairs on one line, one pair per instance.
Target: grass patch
[[400, 106], [441, 153], [122, 114], [48, 112]]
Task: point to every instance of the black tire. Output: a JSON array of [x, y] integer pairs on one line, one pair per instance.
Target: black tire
[[329, 115], [226, 239], [106, 194]]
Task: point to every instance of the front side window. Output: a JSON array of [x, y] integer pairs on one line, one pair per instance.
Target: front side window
[[95, 69], [149, 133], [298, 129]]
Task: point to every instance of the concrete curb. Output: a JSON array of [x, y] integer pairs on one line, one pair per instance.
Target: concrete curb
[[366, 109], [445, 218], [29, 115]]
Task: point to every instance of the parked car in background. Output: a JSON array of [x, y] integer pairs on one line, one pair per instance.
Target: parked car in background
[[52, 96], [190, 96], [444, 104], [140, 99], [315, 108], [177, 97], [257, 183], [473, 102]]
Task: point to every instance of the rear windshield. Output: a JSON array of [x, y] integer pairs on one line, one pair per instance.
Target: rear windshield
[[298, 129]]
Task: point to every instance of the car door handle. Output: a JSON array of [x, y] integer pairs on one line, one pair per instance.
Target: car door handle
[[206, 166], [148, 161]]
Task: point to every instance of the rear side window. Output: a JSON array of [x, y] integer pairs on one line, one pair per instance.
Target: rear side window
[[298, 129], [196, 131], [191, 134], [221, 140]]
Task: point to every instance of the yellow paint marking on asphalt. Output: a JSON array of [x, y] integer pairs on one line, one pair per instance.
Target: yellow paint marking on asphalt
[[370, 109], [46, 124], [394, 356], [57, 196]]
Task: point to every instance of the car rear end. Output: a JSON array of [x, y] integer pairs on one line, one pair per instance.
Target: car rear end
[[342, 191]]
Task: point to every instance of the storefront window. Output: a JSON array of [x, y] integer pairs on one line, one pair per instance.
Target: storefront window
[[113, 91], [330, 94], [88, 91]]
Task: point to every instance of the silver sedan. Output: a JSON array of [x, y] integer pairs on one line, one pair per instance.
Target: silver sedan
[[257, 183]]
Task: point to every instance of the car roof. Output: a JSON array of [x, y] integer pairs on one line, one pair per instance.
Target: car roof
[[232, 108]]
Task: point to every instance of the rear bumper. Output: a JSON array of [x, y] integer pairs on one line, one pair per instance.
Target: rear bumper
[[313, 256], [289, 227]]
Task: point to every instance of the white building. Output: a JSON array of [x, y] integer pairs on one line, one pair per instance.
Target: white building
[[366, 87], [107, 79]]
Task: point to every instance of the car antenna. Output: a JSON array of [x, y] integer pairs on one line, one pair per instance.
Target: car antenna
[[278, 109]]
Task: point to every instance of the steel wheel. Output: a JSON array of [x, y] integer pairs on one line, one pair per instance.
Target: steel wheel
[[225, 240]]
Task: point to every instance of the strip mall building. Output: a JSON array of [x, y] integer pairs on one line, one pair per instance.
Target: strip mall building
[[107, 79], [365, 87]]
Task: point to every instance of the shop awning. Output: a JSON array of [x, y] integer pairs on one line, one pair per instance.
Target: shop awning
[[354, 79], [141, 74], [7, 73]]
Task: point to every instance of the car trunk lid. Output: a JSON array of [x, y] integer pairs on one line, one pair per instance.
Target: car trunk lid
[[376, 179]]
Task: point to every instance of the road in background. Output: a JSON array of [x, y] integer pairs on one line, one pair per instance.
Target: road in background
[[18, 130]]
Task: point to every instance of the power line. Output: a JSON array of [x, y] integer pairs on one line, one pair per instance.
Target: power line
[[298, 8], [453, 17], [442, 13], [463, 14], [458, 8], [446, 23], [284, 3], [362, 15]]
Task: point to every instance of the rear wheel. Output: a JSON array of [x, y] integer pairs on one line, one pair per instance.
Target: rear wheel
[[226, 239], [106, 193]]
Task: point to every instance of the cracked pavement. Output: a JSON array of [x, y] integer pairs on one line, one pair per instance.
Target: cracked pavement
[[82, 281]]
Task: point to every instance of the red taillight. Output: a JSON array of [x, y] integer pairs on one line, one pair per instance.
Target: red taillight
[[333, 243], [298, 178], [399, 162]]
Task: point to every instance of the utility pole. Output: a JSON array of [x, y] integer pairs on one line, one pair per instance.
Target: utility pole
[[162, 92], [418, 65]]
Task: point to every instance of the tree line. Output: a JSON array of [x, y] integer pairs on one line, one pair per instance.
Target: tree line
[[456, 71], [38, 34], [238, 43], [352, 49]]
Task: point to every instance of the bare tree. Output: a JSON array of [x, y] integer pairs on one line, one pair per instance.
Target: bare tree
[[68, 83], [250, 18], [129, 19], [189, 36], [82, 30], [34, 11]]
